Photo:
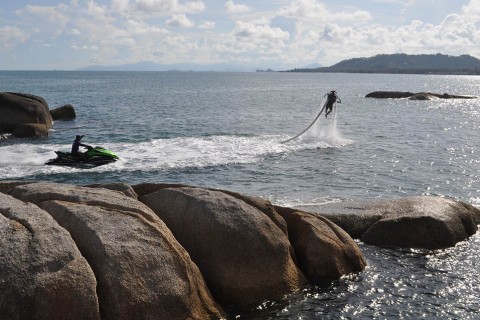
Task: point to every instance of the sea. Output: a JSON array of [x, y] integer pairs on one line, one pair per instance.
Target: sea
[[231, 131]]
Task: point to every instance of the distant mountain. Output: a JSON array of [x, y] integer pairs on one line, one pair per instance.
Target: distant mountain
[[151, 66], [404, 63]]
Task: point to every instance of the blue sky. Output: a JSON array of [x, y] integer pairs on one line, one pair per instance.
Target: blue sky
[[277, 34]]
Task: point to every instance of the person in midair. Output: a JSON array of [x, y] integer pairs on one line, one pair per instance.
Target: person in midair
[[331, 99]]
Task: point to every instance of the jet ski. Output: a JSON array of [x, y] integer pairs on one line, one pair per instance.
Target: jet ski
[[94, 157]]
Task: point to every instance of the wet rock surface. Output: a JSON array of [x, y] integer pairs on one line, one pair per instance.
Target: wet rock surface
[[159, 251]]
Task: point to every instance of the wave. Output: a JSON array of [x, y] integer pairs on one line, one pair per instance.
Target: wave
[[22, 160]]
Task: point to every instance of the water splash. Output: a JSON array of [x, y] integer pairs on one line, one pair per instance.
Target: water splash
[[22, 160], [325, 130]]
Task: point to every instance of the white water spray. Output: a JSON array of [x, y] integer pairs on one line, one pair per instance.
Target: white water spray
[[322, 129], [23, 160]]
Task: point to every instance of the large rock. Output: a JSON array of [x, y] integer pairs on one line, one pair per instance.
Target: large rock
[[42, 273], [243, 255], [324, 251], [39, 192], [420, 97], [7, 185], [389, 94], [21, 108], [142, 189], [124, 188], [66, 112], [141, 269], [413, 222], [29, 130], [263, 205], [414, 96], [431, 95]]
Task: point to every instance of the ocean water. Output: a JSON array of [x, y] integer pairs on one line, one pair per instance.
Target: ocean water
[[225, 130]]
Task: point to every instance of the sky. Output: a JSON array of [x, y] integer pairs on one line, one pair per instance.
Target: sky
[[276, 34]]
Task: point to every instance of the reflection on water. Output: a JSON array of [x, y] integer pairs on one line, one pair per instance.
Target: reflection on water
[[397, 284]]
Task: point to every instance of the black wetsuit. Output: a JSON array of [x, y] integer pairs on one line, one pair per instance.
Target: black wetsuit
[[331, 99]]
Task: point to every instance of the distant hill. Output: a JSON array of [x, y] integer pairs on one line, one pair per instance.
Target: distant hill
[[404, 63]]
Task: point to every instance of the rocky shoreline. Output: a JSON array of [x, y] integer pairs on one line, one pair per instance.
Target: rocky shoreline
[[171, 251]]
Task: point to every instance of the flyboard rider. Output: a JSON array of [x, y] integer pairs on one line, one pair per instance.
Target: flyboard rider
[[331, 99]]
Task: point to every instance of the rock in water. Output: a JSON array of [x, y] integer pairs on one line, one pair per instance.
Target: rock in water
[[244, 256], [414, 222], [324, 251], [421, 222], [66, 112], [28, 130], [22, 108]]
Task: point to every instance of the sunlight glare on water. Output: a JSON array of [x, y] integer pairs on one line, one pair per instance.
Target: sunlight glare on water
[[397, 284]]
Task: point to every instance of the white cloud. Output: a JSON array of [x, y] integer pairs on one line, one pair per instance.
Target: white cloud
[[231, 7], [180, 20], [207, 25], [45, 19], [249, 31], [391, 1], [472, 11], [304, 8], [94, 9], [12, 36], [135, 27], [454, 35], [52, 14], [75, 46], [284, 32], [167, 7], [120, 5], [316, 12], [192, 7], [75, 32], [252, 42]]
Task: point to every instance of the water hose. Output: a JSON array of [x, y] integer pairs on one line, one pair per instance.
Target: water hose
[[311, 124]]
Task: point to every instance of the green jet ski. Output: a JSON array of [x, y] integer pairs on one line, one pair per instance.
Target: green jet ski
[[93, 157]]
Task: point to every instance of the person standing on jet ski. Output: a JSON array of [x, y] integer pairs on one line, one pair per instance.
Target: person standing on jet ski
[[331, 99], [76, 146]]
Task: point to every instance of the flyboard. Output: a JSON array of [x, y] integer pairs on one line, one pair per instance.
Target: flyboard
[[311, 124]]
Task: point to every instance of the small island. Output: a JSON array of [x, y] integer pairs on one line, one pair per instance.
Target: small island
[[415, 96], [404, 64]]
